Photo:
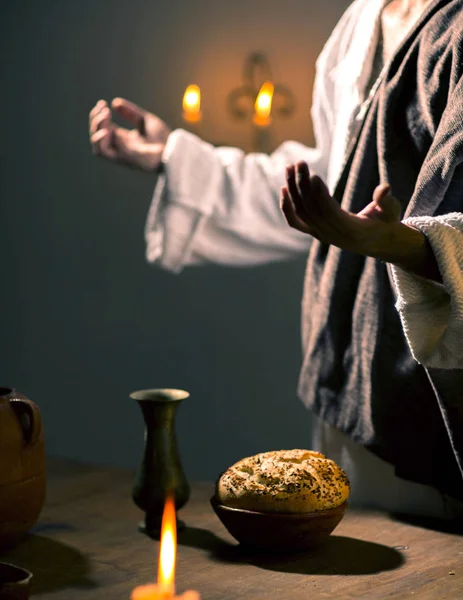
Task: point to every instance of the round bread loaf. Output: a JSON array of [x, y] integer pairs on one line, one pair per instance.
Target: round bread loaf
[[284, 481]]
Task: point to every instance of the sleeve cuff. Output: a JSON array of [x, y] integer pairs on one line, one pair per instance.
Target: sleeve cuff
[[432, 313], [176, 210]]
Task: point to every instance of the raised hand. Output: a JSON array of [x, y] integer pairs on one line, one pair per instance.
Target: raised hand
[[140, 147], [375, 231], [309, 207]]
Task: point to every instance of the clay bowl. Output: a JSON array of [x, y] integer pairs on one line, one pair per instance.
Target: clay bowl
[[279, 532], [14, 582]]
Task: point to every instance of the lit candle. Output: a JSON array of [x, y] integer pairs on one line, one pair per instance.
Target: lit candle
[[263, 105], [192, 104], [165, 587]]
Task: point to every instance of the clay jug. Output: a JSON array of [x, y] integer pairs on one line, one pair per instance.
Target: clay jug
[[22, 466]]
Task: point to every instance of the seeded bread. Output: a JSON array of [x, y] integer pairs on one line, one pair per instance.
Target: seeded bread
[[284, 481]]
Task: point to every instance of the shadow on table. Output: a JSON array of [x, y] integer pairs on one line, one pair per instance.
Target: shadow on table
[[54, 565], [444, 526], [338, 556]]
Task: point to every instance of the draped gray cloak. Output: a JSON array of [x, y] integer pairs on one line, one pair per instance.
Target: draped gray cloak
[[358, 373]]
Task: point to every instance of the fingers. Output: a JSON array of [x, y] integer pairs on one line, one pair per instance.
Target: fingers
[[291, 183], [386, 206], [309, 194], [102, 144], [303, 179], [100, 126], [98, 136], [390, 208], [131, 112], [100, 120], [298, 185], [100, 130], [98, 106], [289, 211], [380, 192], [322, 197]]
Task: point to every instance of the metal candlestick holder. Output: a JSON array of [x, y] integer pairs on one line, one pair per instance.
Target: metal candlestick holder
[[241, 100], [161, 472]]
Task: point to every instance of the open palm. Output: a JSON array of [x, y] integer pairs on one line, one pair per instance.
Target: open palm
[[309, 207], [140, 147]]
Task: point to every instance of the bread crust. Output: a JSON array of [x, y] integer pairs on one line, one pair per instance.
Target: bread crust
[[284, 481]]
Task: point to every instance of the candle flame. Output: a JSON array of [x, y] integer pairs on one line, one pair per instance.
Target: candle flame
[[263, 106], [168, 548], [192, 103]]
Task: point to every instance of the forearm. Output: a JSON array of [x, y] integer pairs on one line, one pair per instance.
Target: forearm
[[408, 248]]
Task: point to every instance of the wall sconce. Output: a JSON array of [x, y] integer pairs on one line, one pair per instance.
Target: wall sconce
[[258, 98]]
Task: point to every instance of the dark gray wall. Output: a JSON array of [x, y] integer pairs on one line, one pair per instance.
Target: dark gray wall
[[84, 319]]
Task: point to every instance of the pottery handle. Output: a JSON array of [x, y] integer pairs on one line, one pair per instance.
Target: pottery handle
[[32, 425]]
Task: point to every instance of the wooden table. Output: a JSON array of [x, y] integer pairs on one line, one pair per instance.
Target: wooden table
[[86, 546]]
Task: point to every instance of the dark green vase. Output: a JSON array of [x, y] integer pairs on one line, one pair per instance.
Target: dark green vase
[[161, 472]]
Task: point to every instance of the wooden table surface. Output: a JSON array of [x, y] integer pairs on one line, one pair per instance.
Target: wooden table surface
[[86, 546]]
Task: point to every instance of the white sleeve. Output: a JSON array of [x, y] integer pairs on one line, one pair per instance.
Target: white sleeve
[[432, 313], [221, 205]]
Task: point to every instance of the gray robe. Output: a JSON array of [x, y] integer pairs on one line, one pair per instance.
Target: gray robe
[[358, 373]]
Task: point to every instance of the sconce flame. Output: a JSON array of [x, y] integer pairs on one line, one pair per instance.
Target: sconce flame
[[263, 105], [192, 104]]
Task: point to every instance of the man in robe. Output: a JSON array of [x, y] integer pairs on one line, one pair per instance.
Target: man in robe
[[377, 205]]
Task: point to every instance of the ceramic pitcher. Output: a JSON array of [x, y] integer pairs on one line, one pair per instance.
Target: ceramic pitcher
[[22, 466]]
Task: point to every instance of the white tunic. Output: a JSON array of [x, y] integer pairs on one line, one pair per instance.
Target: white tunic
[[220, 205]]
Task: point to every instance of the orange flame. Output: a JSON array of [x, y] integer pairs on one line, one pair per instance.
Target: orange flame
[[192, 104], [263, 105], [168, 549], [164, 589]]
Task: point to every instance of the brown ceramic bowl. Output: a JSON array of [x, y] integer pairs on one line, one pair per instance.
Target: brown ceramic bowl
[[14, 582], [279, 532]]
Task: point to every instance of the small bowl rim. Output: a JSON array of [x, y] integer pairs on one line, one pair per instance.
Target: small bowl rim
[[276, 515], [25, 573]]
